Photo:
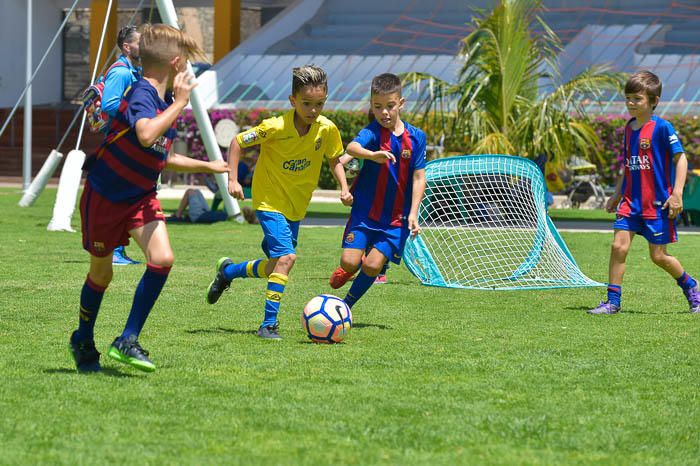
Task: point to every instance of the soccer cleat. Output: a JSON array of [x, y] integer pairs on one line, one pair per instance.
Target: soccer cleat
[[693, 295], [269, 332], [220, 283], [86, 356], [339, 277], [129, 351], [605, 308], [119, 257], [380, 280]]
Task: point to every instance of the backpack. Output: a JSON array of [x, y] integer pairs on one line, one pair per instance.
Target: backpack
[[92, 102]]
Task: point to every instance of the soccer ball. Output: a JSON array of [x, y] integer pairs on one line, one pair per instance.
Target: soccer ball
[[326, 319]]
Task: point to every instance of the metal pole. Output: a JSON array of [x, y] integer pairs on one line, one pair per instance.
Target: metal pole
[[94, 70], [27, 158], [169, 16]]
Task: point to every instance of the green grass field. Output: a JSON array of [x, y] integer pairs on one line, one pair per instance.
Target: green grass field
[[427, 376]]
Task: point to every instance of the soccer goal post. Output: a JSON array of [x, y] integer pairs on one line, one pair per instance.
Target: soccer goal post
[[485, 226]]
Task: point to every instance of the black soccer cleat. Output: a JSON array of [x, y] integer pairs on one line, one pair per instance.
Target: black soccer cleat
[[128, 351], [85, 355], [270, 332], [220, 283]]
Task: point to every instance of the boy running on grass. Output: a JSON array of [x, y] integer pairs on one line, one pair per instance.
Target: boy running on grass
[[119, 199], [387, 192], [649, 195], [292, 149]]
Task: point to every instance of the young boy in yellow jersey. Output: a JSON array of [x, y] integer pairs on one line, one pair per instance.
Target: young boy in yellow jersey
[[292, 149]]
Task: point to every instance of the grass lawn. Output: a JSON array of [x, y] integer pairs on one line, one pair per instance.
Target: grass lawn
[[427, 376]]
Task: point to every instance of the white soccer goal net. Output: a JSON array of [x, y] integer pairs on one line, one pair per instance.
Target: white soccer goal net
[[485, 226]]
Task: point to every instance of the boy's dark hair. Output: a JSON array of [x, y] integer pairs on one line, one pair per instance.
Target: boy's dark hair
[[386, 83], [308, 75], [646, 82], [126, 34]]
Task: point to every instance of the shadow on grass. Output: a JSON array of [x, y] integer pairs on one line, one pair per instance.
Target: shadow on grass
[[221, 330], [379, 326], [108, 371]]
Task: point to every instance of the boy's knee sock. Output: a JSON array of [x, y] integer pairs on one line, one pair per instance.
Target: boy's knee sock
[[246, 269], [90, 300], [686, 282], [359, 287], [615, 294], [273, 296], [145, 297]]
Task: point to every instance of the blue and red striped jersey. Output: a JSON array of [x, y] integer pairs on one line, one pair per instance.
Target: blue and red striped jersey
[[123, 169], [383, 192], [649, 168]]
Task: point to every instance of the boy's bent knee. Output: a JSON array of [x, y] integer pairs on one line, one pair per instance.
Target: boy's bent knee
[[620, 248], [287, 260], [659, 257], [372, 270], [163, 259]]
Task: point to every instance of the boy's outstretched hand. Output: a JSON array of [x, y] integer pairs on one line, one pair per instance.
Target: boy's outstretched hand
[[183, 84], [674, 204], [218, 166], [346, 198], [413, 226], [381, 156]]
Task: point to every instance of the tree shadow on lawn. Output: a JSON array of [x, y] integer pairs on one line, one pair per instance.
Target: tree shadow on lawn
[[221, 330], [106, 371]]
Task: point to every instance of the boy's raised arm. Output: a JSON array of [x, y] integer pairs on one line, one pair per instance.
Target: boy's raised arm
[[148, 130]]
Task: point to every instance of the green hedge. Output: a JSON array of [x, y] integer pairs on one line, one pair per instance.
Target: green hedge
[[608, 127]]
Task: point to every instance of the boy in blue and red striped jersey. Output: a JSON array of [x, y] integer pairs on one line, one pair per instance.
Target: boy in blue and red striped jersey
[[649, 195], [387, 192], [119, 199]]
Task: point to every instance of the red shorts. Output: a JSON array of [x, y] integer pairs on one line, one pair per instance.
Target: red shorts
[[106, 224]]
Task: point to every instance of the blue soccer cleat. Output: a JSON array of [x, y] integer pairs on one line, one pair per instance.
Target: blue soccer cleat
[[119, 257]]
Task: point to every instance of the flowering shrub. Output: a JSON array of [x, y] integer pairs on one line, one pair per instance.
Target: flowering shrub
[[610, 129]]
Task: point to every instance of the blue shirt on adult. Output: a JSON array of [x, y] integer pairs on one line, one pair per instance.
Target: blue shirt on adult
[[118, 79]]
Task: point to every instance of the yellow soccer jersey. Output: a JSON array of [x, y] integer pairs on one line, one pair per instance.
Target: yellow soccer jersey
[[289, 165]]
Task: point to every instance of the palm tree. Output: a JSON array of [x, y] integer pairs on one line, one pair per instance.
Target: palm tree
[[498, 105]]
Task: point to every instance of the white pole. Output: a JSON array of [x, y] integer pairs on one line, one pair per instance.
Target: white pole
[[27, 158], [167, 12]]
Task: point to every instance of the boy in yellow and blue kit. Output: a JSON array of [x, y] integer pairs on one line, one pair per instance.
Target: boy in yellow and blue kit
[[292, 149]]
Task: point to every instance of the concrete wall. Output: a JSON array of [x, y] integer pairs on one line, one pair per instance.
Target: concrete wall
[[46, 19]]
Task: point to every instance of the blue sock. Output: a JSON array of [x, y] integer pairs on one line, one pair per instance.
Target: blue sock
[[145, 297], [615, 294], [686, 282], [90, 300], [359, 287], [246, 269], [273, 296]]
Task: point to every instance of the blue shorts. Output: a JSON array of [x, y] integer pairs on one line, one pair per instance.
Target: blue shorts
[[367, 234], [656, 231], [280, 234]]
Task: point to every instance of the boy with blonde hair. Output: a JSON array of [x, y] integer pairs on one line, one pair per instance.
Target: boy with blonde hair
[[119, 199], [649, 194], [292, 149]]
